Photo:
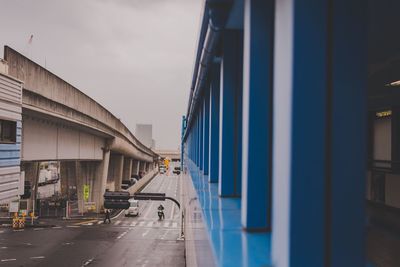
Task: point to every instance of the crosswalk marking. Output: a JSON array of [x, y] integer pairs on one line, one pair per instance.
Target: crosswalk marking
[[141, 223], [117, 222], [150, 224], [100, 222], [133, 223], [175, 224], [166, 224]]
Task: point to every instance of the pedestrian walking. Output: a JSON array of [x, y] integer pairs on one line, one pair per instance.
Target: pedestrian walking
[[107, 217]]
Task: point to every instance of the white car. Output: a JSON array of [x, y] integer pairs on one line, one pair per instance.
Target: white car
[[133, 208]]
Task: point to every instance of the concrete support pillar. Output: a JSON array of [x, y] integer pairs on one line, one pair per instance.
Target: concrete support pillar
[[32, 175], [127, 172], [119, 167], [230, 132], [79, 185], [135, 166], [101, 180]]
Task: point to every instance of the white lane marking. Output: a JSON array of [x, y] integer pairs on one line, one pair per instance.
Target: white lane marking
[[56, 227], [141, 223], [1, 232], [175, 224], [3, 247], [20, 230], [28, 244], [88, 224], [37, 229], [86, 263], [146, 232], [4, 260], [133, 223], [117, 222], [73, 226], [150, 224], [165, 234], [68, 243], [37, 257], [122, 235]]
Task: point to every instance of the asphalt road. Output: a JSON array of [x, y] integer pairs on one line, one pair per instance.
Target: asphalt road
[[127, 241]]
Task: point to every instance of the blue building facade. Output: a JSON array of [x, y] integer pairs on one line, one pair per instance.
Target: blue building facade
[[275, 139]]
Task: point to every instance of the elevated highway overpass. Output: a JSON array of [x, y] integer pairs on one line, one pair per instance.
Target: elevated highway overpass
[[62, 123]]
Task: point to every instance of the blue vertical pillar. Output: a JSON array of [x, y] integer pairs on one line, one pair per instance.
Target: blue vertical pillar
[[319, 133], [214, 123], [230, 131], [201, 136], [257, 114], [206, 131]]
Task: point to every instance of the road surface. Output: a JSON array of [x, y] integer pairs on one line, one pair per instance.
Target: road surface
[[127, 241]]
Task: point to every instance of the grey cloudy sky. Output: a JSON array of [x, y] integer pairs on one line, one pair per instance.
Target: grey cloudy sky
[[135, 57]]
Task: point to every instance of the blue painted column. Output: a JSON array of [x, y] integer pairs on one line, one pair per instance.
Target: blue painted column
[[197, 140], [319, 131], [206, 131], [230, 131], [214, 123], [257, 114], [201, 136]]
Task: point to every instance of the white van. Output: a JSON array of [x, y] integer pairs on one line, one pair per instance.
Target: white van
[[133, 208]]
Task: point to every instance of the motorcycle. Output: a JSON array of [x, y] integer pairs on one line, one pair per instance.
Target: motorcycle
[[160, 215]]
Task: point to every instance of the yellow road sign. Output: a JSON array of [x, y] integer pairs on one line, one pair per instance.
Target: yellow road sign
[[86, 192]]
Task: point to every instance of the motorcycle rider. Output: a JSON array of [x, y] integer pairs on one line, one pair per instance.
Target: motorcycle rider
[[161, 212]]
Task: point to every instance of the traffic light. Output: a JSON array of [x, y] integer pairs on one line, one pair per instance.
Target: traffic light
[[116, 200], [27, 190]]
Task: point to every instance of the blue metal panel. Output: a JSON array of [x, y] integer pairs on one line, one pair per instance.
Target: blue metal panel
[[206, 132], [230, 109], [10, 162], [10, 154], [257, 114], [214, 123]]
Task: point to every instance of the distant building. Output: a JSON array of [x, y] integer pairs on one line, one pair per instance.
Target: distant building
[[11, 183], [144, 132]]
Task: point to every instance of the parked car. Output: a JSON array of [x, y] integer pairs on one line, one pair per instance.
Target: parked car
[[133, 208]]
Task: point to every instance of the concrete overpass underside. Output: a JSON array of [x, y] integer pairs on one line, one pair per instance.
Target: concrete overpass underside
[[60, 123]]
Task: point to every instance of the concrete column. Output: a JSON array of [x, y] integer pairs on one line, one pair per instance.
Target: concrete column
[[135, 166], [79, 185], [31, 174], [67, 177], [119, 167], [101, 180], [127, 172]]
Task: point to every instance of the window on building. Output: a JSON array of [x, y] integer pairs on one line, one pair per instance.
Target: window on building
[[8, 131]]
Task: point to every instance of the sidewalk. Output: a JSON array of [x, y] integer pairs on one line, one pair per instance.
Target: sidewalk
[[383, 235]]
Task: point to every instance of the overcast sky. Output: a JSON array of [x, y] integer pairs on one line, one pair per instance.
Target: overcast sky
[[135, 57]]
